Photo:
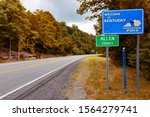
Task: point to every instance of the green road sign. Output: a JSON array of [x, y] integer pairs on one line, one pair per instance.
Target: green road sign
[[107, 40]]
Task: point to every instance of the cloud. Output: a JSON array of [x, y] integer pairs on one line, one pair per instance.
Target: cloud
[[84, 26], [36, 4], [62, 10]]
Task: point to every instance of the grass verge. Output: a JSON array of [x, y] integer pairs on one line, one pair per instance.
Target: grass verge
[[95, 81]]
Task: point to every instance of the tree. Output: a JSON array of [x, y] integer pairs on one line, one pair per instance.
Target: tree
[[39, 32], [16, 20], [43, 23], [128, 41], [3, 24]]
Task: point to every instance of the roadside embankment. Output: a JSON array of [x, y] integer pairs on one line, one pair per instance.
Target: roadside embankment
[[90, 76]]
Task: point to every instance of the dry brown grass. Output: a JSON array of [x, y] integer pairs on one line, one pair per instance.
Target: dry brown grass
[[95, 81], [75, 89], [81, 72]]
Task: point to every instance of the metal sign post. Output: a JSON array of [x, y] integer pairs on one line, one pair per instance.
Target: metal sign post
[[124, 69], [107, 68], [107, 41], [137, 62], [127, 21]]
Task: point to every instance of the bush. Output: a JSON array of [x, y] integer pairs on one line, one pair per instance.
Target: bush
[[22, 56]]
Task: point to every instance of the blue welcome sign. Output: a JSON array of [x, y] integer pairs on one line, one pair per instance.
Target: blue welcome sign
[[129, 21]]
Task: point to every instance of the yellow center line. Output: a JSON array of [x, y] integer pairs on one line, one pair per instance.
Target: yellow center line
[[18, 69], [11, 70], [30, 66]]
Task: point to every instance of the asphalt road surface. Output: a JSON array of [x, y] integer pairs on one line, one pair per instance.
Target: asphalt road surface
[[19, 75]]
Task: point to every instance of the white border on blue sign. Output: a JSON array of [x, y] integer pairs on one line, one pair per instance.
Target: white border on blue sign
[[124, 10]]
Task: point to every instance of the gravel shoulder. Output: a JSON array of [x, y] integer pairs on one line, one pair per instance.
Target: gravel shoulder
[[75, 90], [86, 80], [57, 88]]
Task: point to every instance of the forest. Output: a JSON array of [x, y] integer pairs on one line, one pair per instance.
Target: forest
[[39, 33], [128, 41]]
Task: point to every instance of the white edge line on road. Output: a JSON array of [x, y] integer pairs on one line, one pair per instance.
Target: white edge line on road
[[1, 97]]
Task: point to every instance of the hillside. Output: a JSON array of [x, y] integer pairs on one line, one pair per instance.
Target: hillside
[[38, 33]]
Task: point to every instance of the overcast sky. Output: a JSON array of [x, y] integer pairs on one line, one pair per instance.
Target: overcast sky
[[62, 10]]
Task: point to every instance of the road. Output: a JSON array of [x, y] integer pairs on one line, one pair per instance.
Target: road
[[19, 75]]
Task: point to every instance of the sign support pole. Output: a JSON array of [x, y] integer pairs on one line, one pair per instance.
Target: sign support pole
[[124, 69], [137, 63], [107, 68]]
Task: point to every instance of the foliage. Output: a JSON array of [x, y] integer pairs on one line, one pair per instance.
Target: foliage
[[39, 32], [94, 81], [128, 41]]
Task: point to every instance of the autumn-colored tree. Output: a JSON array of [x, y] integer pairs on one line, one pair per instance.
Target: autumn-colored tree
[[39, 32], [15, 22], [128, 41]]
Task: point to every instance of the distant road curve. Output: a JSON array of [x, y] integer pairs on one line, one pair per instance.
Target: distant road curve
[[21, 76]]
